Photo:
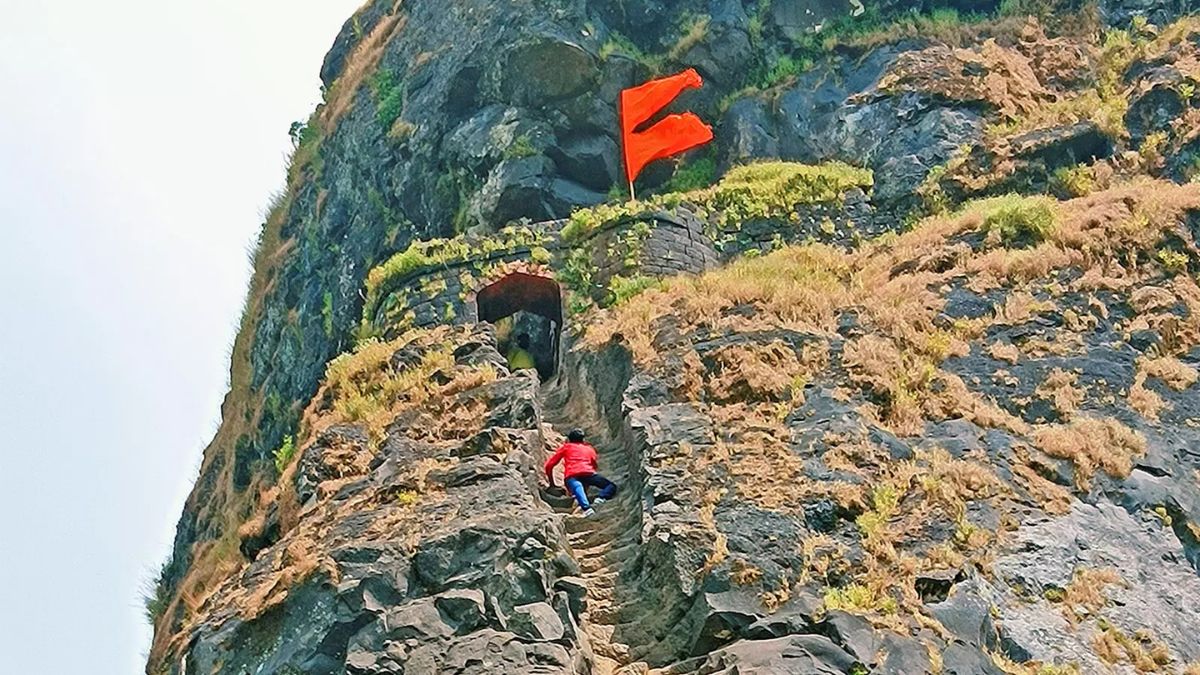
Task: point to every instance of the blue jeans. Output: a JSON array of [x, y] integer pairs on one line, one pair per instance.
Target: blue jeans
[[576, 485]]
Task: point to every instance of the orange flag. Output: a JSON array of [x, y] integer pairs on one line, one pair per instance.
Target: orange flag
[[672, 135]]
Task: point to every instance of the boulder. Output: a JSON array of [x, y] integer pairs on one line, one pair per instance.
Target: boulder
[[792, 655], [963, 659], [902, 656], [852, 633], [967, 615], [1054, 147], [536, 621], [544, 70], [591, 161], [1157, 104], [747, 131], [724, 54]]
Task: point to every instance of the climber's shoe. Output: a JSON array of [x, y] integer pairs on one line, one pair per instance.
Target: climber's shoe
[[589, 513], [598, 501]]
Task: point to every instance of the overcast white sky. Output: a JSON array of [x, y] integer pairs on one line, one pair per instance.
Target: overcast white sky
[[139, 144]]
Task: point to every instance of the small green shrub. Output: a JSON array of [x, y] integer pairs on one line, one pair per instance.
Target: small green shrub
[[327, 314], [303, 133], [156, 596], [1151, 150], [1073, 181], [389, 98], [621, 289], [540, 254], [1173, 262], [1021, 223], [784, 68], [693, 175], [859, 599], [521, 147], [755, 28], [283, 456]]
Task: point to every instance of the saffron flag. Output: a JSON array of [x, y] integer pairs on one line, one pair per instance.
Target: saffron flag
[[672, 135]]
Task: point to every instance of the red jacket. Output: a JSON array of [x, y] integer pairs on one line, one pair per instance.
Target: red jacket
[[579, 459]]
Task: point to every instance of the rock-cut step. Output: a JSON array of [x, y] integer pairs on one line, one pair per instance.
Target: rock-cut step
[[602, 545]]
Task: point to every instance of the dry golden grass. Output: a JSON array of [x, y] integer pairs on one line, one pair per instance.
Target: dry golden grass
[[950, 397], [1146, 401], [1141, 650], [757, 372], [1084, 596], [895, 286], [1060, 388], [720, 543], [891, 283], [953, 482], [1092, 444], [898, 377], [743, 573], [1173, 372], [1151, 298], [361, 63], [363, 387], [773, 600], [1052, 497]]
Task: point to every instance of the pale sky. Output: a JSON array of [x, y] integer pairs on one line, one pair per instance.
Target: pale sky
[[140, 143]]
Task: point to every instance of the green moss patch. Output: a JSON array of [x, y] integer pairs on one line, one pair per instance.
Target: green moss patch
[[424, 255], [760, 191]]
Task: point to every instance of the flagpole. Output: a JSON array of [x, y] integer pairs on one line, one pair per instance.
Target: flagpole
[[632, 196]]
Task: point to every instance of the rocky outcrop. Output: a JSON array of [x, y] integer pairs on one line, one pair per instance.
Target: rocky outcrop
[[413, 553], [753, 542]]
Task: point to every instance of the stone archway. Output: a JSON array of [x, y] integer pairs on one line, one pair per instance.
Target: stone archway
[[531, 289]]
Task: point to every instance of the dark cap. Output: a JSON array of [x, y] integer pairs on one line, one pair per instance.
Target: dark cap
[[575, 436]]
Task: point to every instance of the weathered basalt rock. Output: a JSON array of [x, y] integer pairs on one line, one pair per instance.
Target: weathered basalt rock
[[422, 546]]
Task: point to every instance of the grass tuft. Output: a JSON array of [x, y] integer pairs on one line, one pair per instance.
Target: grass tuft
[[1023, 223]]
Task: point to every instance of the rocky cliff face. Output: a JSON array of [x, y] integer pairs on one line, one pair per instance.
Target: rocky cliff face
[[967, 448]]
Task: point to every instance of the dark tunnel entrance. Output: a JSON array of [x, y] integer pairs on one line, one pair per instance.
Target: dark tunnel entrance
[[534, 305]]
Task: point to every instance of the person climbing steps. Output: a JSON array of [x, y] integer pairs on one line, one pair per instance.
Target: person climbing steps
[[580, 471]]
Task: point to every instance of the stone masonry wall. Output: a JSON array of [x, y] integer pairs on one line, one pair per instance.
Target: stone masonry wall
[[658, 244]]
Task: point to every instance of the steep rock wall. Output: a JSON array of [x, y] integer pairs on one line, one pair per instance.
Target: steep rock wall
[[439, 119]]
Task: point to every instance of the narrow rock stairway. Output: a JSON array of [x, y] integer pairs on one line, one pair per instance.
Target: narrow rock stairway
[[605, 545]]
